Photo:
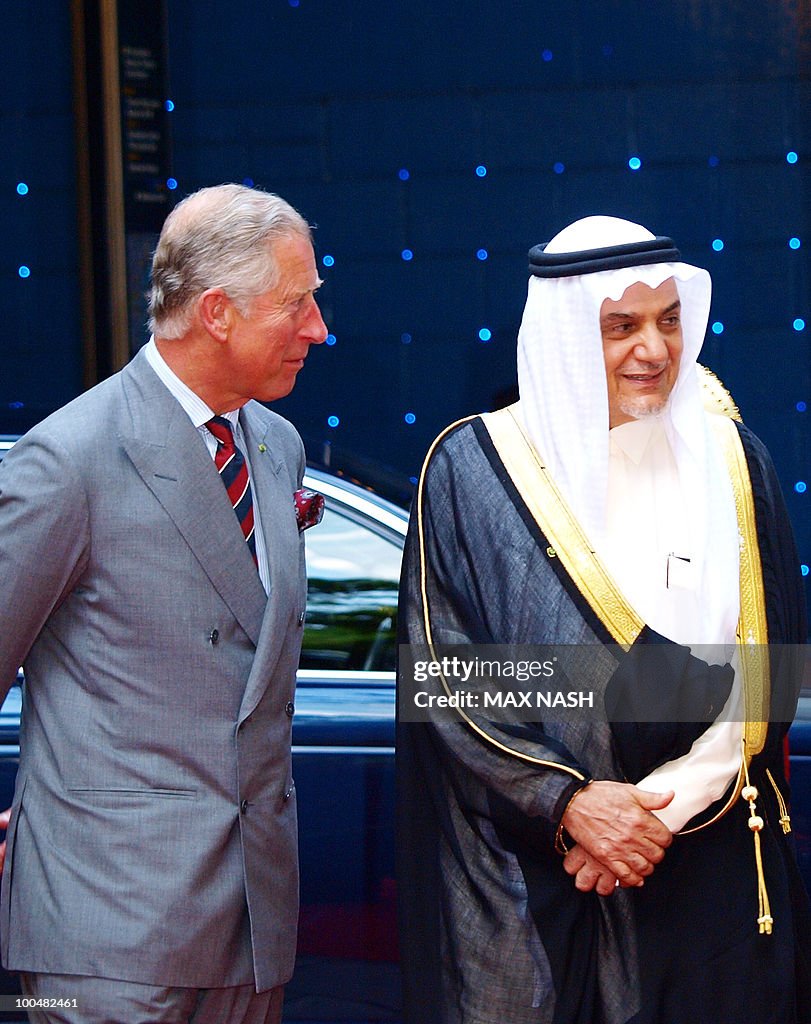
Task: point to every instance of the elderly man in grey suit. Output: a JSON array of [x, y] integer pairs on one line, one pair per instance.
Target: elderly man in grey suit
[[151, 872]]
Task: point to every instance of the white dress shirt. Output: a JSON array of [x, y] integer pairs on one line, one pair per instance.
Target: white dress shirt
[[199, 413]]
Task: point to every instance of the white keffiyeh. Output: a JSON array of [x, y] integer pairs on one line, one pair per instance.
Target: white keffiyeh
[[564, 403]]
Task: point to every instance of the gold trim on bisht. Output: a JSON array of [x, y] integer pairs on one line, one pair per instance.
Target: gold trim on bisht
[[559, 525], [429, 632], [715, 396]]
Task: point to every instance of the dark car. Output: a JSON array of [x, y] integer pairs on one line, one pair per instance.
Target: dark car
[[343, 752]]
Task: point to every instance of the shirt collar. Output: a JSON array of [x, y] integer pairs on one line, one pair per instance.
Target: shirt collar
[[194, 406], [634, 438]]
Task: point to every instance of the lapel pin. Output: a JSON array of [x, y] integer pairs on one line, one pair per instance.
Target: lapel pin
[[263, 448]]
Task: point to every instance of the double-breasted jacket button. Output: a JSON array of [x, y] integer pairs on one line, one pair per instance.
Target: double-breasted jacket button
[[290, 708], [214, 637], [243, 807]]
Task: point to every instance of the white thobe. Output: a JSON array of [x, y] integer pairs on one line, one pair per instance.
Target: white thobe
[[648, 551]]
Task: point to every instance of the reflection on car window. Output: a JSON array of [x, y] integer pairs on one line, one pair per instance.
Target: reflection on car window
[[353, 574]]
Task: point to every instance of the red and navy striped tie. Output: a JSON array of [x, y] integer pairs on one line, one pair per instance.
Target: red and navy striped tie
[[233, 470]]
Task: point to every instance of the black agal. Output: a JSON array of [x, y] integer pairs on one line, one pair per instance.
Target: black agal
[[612, 257]]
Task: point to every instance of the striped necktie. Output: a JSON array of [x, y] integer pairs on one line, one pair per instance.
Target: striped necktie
[[233, 470]]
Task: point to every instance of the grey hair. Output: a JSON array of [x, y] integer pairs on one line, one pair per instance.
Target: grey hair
[[219, 237]]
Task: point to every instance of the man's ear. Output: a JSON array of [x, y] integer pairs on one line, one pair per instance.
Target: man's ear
[[216, 313]]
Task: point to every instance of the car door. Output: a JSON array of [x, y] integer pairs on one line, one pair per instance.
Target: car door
[[343, 763]]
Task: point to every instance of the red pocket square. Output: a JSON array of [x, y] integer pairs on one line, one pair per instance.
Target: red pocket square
[[309, 507]]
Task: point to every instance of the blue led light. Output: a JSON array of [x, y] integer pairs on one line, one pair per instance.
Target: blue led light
[[403, 174], [547, 55], [16, 405], [559, 168], [481, 171], [791, 157], [410, 418], [482, 254], [634, 163], [717, 327], [330, 339], [171, 184], [485, 334], [328, 261], [804, 570], [413, 480], [713, 161], [801, 407], [169, 105], [24, 271], [799, 324], [801, 487], [406, 338], [718, 244], [248, 182], [333, 421], [407, 255], [794, 243], [22, 189]]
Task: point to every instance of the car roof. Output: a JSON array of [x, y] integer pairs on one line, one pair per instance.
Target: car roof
[[362, 499]]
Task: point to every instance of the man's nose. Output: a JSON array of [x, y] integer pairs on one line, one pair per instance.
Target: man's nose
[[651, 345], [314, 327]]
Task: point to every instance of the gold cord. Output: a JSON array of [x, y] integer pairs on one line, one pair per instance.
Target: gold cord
[[750, 794], [785, 819]]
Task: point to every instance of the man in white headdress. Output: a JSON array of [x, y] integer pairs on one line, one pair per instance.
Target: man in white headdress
[[631, 865]]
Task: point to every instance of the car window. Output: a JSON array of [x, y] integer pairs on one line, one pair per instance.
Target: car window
[[353, 573]]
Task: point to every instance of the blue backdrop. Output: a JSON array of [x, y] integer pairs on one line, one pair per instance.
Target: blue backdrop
[[432, 144]]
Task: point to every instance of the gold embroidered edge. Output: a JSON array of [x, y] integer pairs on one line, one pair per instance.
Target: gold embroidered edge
[[715, 396], [550, 511], [752, 629], [427, 620]]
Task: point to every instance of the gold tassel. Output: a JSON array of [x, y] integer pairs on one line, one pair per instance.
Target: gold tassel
[[785, 820], [750, 794]]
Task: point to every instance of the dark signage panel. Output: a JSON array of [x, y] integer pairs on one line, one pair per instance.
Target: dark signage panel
[[145, 145]]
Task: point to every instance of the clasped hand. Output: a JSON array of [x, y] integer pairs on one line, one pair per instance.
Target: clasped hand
[[619, 840]]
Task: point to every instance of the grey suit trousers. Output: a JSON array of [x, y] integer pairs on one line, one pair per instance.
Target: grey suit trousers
[[107, 1001]]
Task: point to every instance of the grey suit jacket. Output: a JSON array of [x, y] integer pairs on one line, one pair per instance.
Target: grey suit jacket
[[153, 836]]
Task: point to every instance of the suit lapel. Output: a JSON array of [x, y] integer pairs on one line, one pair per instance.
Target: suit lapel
[[172, 460], [267, 482]]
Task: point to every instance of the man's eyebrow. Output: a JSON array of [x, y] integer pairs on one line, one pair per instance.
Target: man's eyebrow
[[633, 316], [302, 292], [618, 316]]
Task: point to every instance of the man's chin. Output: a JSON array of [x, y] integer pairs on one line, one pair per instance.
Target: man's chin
[[644, 407], [280, 388]]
